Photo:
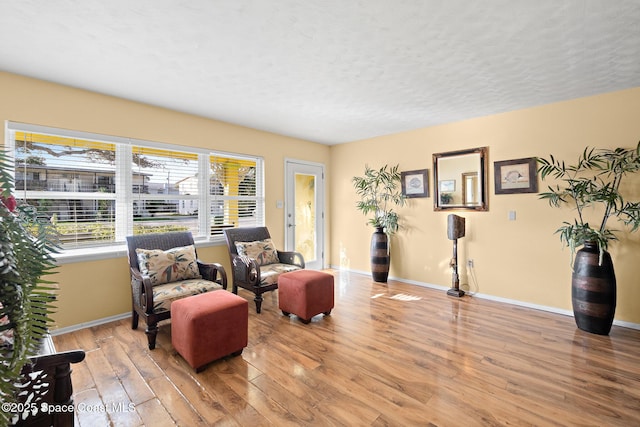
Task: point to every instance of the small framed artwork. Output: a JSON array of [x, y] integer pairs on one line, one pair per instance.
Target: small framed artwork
[[448, 186], [516, 176], [415, 183]]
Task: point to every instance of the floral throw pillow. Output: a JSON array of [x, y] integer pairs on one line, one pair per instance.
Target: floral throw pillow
[[170, 265], [263, 251]]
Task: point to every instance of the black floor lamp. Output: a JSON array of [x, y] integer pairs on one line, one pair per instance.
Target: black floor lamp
[[455, 230]]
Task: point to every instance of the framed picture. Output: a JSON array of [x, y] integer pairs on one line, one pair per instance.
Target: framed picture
[[516, 176], [448, 186], [415, 183]]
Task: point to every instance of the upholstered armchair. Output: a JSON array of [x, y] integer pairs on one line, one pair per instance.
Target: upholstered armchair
[[255, 262], [165, 267]]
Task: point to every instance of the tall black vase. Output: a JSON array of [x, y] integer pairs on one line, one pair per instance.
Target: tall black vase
[[593, 290], [380, 256]]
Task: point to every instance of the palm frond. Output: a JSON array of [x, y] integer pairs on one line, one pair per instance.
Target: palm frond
[[380, 190], [593, 180], [26, 299]]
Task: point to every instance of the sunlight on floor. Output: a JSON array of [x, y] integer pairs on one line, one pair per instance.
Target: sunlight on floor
[[400, 297]]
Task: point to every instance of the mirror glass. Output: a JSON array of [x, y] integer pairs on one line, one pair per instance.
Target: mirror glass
[[460, 180]]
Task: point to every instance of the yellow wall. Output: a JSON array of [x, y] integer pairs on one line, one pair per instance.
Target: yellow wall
[[93, 290], [519, 260]]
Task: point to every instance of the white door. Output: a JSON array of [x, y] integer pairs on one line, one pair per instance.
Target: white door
[[304, 211]]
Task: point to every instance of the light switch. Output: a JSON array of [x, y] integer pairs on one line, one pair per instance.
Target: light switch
[[279, 204], [512, 215]]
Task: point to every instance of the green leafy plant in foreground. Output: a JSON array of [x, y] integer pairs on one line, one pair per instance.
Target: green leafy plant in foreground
[[26, 247]]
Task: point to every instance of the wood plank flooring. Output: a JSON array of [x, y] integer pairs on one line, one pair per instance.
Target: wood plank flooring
[[389, 355]]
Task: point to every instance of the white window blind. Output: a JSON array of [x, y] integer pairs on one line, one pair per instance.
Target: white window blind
[[165, 190], [71, 182], [97, 188], [236, 195]]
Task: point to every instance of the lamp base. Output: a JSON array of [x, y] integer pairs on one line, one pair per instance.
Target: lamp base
[[455, 292]]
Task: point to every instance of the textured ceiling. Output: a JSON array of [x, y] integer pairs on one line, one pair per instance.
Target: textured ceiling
[[329, 71]]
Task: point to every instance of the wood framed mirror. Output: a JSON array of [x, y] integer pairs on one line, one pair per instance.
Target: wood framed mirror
[[460, 180]]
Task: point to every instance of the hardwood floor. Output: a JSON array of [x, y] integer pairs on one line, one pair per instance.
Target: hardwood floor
[[389, 354]]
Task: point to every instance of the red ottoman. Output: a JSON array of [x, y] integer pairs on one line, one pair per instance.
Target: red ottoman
[[305, 293], [208, 326]]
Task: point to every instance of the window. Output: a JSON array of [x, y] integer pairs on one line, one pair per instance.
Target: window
[[165, 190], [98, 189], [69, 181], [233, 190]]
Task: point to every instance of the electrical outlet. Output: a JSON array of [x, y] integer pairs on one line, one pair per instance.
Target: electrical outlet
[[470, 263]]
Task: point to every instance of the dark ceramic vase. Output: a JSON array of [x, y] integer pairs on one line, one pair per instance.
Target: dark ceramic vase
[[380, 257], [593, 290]]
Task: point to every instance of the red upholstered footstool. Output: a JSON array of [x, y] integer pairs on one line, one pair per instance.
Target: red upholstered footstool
[[208, 326], [305, 293]]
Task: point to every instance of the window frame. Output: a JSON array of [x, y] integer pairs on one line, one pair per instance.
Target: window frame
[[125, 195]]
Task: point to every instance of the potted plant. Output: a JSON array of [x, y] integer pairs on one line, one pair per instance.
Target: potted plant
[[593, 182], [25, 298], [380, 191], [446, 198]]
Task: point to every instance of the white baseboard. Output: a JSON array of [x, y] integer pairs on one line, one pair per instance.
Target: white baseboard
[[96, 322], [494, 298]]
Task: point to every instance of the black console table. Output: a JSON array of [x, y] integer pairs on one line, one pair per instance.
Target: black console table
[[45, 393]]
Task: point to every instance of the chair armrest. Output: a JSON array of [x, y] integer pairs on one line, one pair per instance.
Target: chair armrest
[[211, 270], [72, 356], [245, 270], [142, 290], [47, 379], [291, 257]]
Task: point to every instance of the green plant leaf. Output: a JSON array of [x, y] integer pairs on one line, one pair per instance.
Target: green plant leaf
[[594, 180], [380, 190], [26, 250]]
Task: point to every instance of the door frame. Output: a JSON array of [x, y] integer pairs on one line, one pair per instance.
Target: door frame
[[321, 202]]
